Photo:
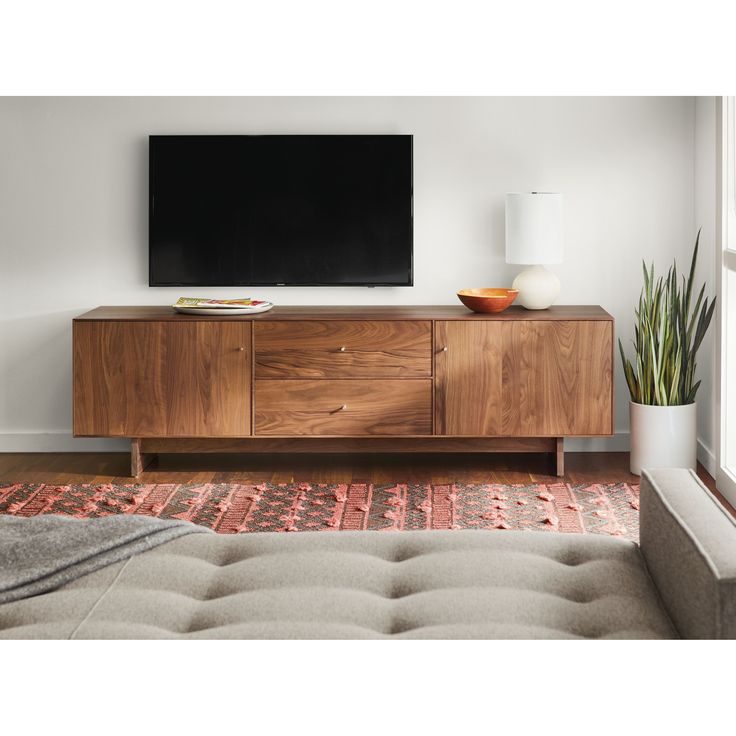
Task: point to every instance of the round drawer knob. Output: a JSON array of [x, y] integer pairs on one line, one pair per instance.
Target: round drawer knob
[[343, 349], [343, 407], [445, 349], [241, 349]]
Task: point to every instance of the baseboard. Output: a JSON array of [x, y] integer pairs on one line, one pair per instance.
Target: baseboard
[[59, 442], [618, 443], [707, 458]]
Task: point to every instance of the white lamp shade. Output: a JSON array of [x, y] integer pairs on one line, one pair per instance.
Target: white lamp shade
[[534, 228]]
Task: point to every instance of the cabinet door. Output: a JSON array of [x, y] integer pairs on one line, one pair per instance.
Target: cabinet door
[[523, 378], [162, 379]]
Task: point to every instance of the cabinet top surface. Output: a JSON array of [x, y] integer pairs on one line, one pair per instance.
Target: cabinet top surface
[[278, 313]]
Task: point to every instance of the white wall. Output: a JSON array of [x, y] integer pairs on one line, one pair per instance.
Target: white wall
[[73, 211]]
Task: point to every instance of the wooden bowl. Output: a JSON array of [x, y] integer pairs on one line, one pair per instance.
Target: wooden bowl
[[487, 300]]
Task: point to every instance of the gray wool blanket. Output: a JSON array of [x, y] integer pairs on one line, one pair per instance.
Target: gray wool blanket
[[40, 553]]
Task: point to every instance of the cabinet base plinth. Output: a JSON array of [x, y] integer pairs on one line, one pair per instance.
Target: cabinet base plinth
[[560, 459], [144, 450], [139, 460]]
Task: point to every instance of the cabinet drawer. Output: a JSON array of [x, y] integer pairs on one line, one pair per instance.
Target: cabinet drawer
[[343, 407], [343, 349]]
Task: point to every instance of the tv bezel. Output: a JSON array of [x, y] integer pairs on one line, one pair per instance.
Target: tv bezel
[[235, 283]]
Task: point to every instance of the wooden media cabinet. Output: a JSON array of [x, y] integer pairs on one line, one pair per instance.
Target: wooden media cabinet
[[344, 379]]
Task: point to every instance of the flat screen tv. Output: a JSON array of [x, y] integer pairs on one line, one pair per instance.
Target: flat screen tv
[[283, 210]]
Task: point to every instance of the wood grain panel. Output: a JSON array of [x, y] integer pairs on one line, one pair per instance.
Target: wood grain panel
[[155, 379], [371, 407], [118, 379], [339, 349], [467, 367], [209, 391], [524, 378], [351, 313], [143, 378]]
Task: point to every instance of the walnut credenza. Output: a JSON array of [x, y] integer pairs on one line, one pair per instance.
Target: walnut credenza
[[344, 379]]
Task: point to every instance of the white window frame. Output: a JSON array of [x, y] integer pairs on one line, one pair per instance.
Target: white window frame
[[726, 293]]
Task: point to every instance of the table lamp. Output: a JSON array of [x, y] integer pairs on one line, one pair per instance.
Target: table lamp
[[534, 238]]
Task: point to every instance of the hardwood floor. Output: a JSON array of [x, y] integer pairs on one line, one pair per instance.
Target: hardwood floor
[[113, 467]]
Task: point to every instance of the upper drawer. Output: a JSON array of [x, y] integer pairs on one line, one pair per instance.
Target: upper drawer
[[343, 349]]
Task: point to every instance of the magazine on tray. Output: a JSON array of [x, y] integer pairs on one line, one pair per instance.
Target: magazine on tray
[[192, 302]]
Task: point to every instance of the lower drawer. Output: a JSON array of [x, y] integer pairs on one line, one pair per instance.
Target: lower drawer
[[343, 407]]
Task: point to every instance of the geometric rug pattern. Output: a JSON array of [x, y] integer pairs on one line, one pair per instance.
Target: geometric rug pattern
[[232, 508]]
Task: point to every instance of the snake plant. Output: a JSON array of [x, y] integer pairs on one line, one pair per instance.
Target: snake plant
[[667, 335]]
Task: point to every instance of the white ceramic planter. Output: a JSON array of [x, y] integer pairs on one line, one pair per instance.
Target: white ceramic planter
[[663, 436]]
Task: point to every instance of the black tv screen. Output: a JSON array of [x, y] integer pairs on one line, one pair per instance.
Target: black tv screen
[[292, 210]]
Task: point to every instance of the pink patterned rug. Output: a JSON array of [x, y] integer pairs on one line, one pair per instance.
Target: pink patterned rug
[[230, 508]]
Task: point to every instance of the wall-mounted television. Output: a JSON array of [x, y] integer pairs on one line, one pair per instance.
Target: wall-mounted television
[[284, 210]]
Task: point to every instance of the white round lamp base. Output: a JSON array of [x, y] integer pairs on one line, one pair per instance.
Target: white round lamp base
[[538, 288]]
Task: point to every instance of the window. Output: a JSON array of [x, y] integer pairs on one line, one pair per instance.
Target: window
[[726, 242]]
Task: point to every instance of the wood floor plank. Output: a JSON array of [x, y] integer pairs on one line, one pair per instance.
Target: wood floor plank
[[114, 467]]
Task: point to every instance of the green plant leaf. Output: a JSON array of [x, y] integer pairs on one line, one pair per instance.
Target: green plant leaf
[[668, 332]]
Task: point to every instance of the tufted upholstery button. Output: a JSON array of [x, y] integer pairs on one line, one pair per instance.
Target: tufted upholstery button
[[399, 589], [570, 558]]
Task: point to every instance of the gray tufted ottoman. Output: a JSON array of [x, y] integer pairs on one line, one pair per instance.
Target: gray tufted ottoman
[[458, 584]]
